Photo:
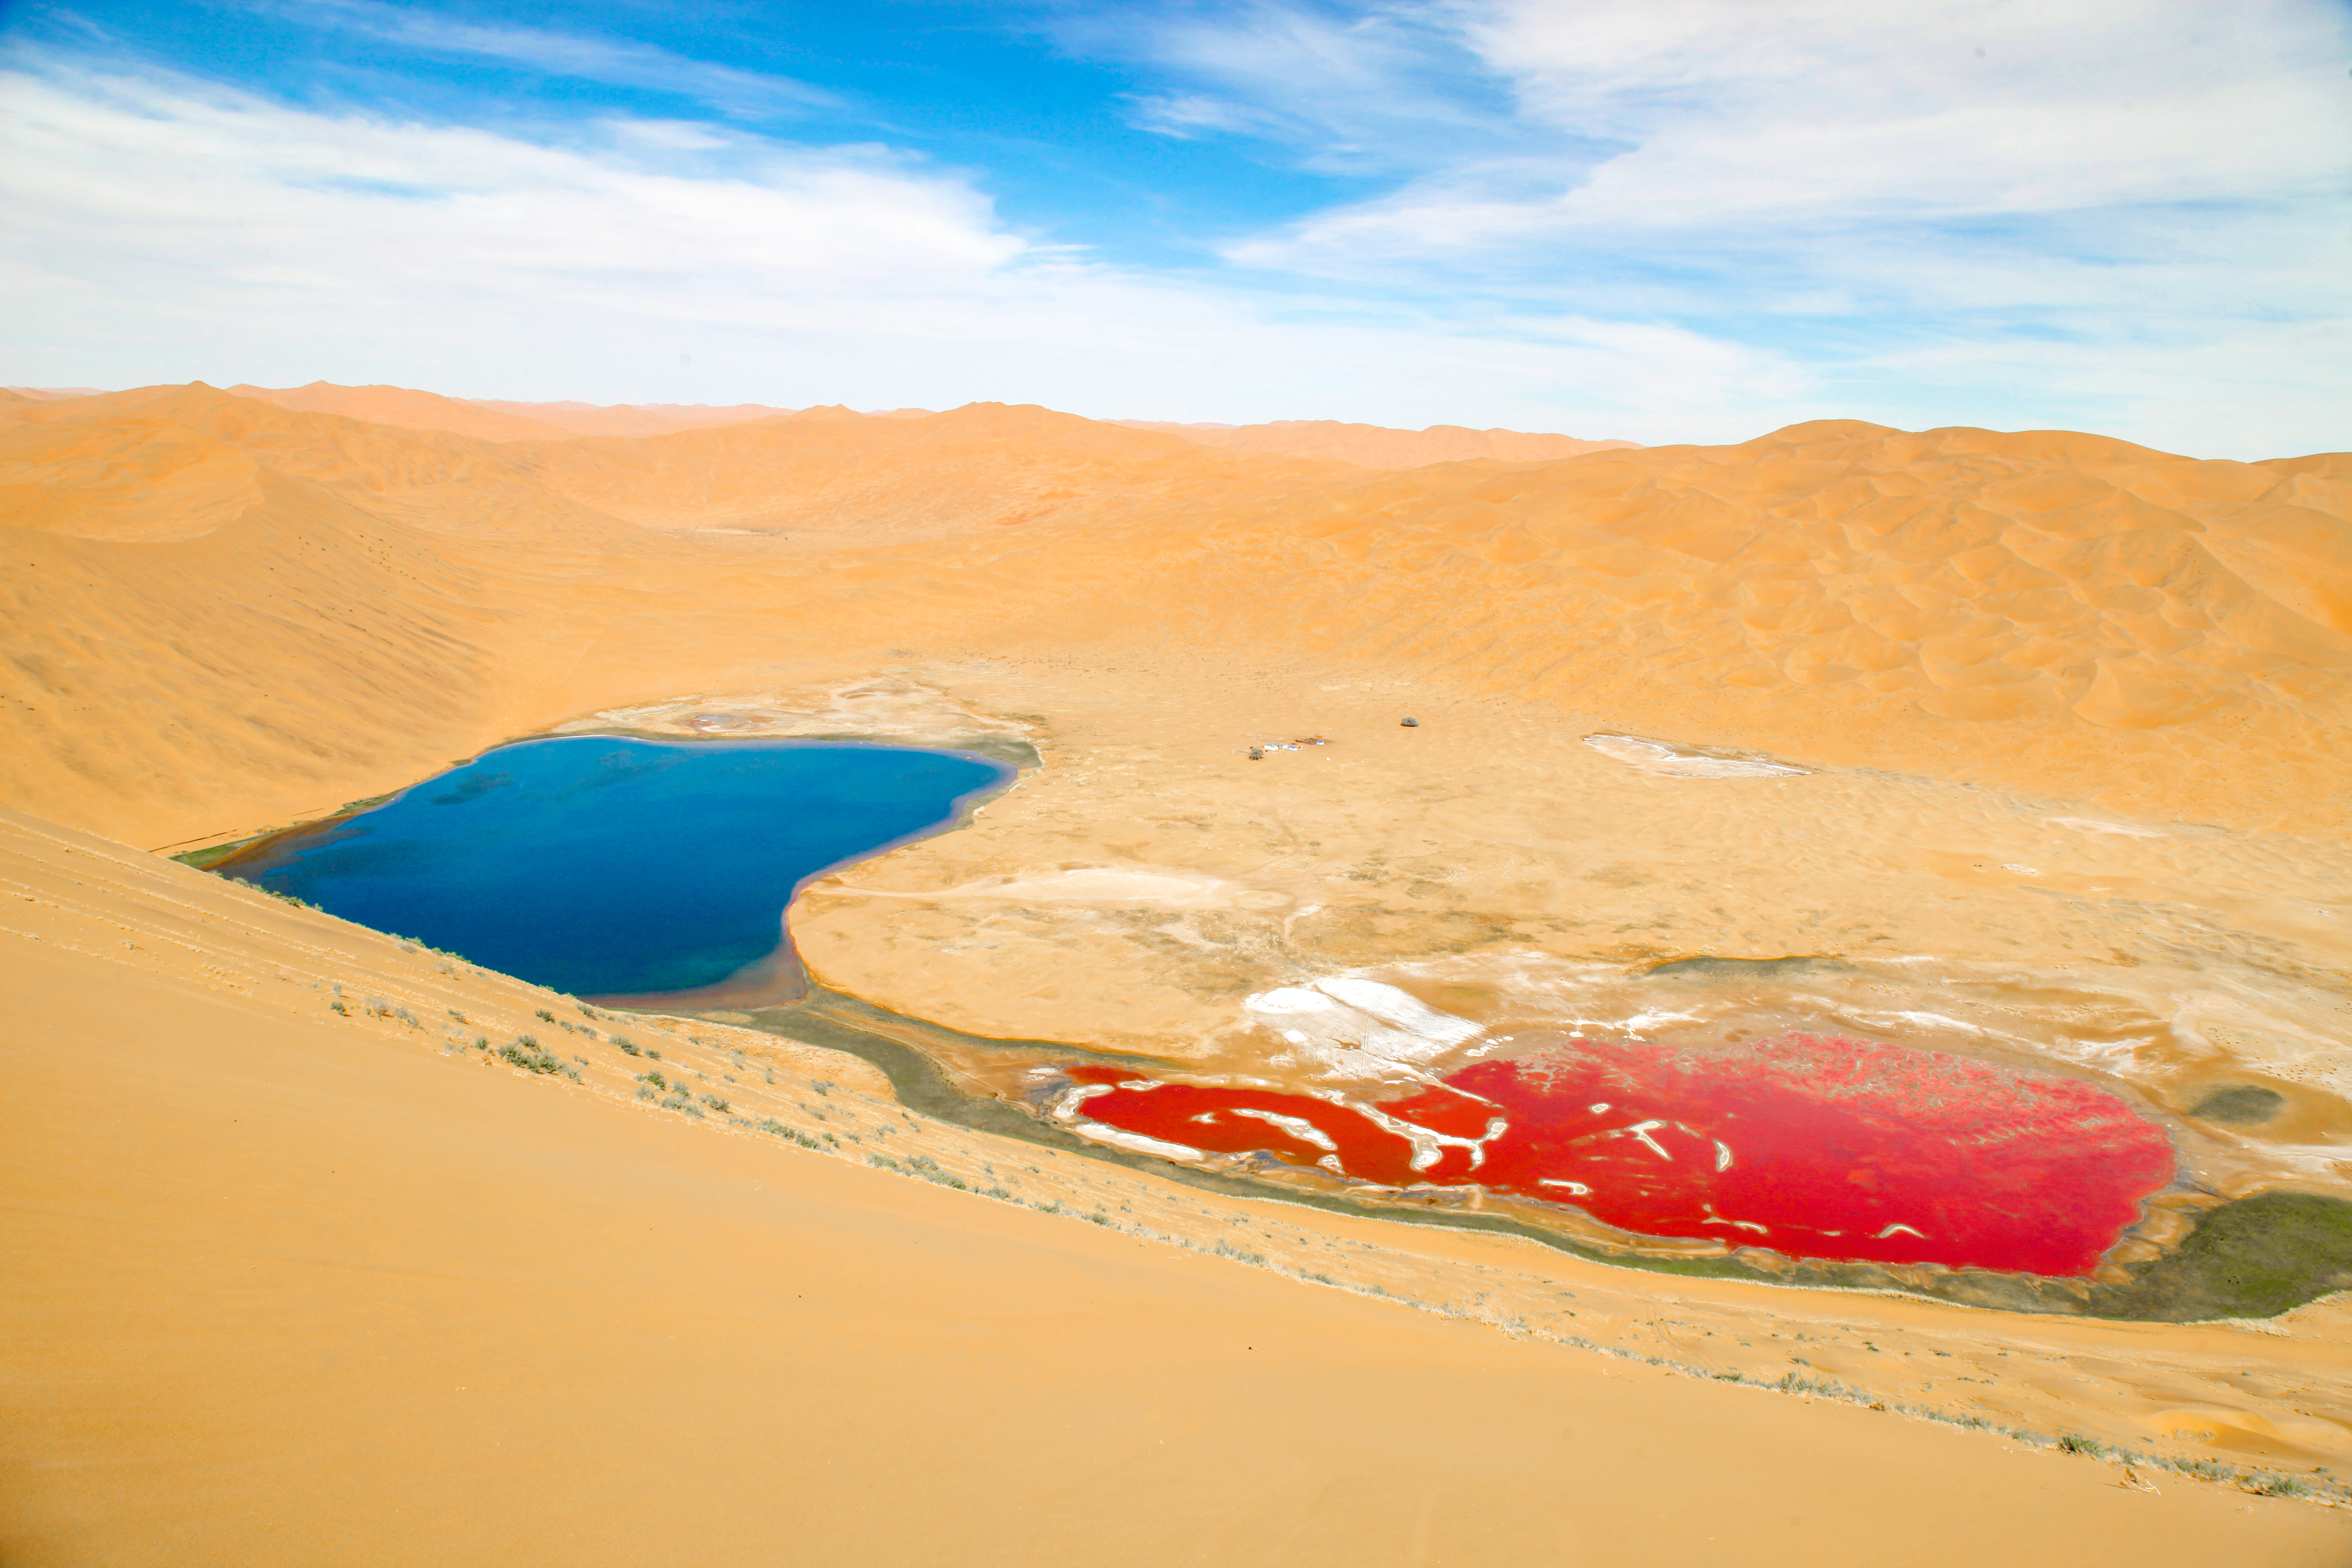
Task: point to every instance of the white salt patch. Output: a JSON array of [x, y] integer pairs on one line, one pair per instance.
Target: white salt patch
[[1402, 1009], [1641, 1130], [1428, 1147], [1299, 1127], [1341, 1016], [2093, 824], [1715, 1218], [1135, 1141], [1677, 762]]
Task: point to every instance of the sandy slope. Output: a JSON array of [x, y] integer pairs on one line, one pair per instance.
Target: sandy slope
[[295, 1286], [833, 478], [223, 615], [630, 418], [1380, 447], [404, 408], [2047, 613]]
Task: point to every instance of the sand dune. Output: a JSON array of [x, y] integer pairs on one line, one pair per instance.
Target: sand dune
[[2044, 612], [840, 477], [628, 418], [408, 409], [226, 615], [1379, 446], [2040, 581]]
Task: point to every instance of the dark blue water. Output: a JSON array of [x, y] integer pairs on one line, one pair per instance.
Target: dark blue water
[[603, 867]]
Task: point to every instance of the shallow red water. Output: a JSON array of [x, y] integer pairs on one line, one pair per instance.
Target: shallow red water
[[1814, 1146]]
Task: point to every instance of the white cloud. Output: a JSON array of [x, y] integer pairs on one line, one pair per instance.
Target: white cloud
[[165, 230], [1189, 114], [1641, 120], [1377, 91]]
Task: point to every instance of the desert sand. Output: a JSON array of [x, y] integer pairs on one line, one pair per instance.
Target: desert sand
[[632, 418], [2053, 721], [1380, 447]]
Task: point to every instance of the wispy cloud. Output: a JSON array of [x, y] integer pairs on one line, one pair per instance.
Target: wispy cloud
[[1387, 90], [617, 62]]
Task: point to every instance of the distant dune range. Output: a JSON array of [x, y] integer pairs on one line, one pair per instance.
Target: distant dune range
[[1365, 446], [2046, 727], [1377, 446], [2046, 611]]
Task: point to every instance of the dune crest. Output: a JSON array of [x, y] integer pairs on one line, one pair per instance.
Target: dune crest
[[630, 418], [406, 408], [2046, 610], [1973, 575], [1380, 447]]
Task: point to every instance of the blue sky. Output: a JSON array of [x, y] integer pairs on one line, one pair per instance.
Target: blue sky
[[1660, 220]]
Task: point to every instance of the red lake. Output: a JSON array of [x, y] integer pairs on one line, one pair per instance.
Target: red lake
[[1815, 1146]]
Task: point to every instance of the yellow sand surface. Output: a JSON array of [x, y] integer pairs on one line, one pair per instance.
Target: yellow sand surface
[[2054, 721], [290, 1285], [628, 418], [406, 408], [1380, 446]]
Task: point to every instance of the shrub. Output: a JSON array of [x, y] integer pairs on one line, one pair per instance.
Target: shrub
[[654, 1055], [715, 1103], [456, 1015], [654, 1078], [2075, 1443], [544, 1016], [628, 1049], [525, 1054]]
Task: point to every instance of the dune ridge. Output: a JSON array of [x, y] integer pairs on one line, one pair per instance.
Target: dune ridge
[[406, 408], [1380, 446], [2041, 611], [630, 418]]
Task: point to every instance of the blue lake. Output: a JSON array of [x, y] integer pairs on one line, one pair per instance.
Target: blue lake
[[604, 867]]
